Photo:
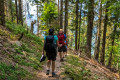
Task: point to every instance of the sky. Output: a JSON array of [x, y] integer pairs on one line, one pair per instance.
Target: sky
[[32, 11]]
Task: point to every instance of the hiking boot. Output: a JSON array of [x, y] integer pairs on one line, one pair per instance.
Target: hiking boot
[[47, 72], [54, 74]]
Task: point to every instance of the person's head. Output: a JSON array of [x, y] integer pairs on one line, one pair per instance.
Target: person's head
[[51, 31], [61, 30]]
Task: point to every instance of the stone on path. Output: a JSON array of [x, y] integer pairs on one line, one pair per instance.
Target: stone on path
[[1, 45]]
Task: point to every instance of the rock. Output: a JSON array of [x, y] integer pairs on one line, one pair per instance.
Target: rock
[[1, 40], [0, 58], [18, 43], [13, 50], [1, 45], [67, 78]]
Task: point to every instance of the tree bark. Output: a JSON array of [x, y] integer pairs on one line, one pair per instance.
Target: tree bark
[[16, 11], [58, 14], [66, 16], [2, 12], [32, 26], [37, 21], [20, 13], [79, 27], [61, 14], [76, 28], [99, 33], [11, 10], [90, 27], [104, 35]]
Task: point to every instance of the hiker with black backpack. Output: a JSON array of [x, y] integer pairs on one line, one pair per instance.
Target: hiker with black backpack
[[50, 45], [61, 44]]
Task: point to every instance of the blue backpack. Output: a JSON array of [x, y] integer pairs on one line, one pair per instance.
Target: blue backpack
[[65, 36]]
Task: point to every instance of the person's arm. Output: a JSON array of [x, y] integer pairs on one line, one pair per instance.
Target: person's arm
[[43, 53], [57, 42]]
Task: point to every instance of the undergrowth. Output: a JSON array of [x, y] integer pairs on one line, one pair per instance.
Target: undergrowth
[[75, 69], [28, 54], [9, 72]]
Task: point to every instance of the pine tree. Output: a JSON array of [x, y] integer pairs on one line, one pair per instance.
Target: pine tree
[[90, 27]]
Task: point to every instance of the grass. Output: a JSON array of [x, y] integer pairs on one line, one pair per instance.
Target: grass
[[28, 54], [75, 69], [9, 72]]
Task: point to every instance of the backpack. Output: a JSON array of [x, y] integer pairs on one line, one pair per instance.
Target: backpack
[[65, 36], [49, 46], [61, 38]]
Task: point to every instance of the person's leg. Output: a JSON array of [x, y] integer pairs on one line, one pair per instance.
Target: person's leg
[[53, 66], [48, 64], [60, 55], [48, 67], [64, 53], [63, 50], [60, 52]]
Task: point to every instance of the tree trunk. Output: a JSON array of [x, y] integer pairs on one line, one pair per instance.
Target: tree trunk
[[58, 15], [16, 10], [32, 26], [90, 27], [99, 33], [20, 13], [79, 27], [2, 12], [37, 21], [76, 22], [66, 16], [11, 10], [61, 14], [7, 9], [104, 35]]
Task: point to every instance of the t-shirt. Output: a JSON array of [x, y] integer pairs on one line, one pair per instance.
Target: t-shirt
[[55, 39]]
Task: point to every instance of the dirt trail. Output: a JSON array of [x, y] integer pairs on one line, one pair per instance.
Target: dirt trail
[[42, 74]]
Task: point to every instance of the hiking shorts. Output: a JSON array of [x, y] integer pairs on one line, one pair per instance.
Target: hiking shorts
[[64, 49], [60, 49], [51, 56]]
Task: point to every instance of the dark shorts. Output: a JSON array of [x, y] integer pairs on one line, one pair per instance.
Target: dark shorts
[[60, 49], [64, 49], [51, 56]]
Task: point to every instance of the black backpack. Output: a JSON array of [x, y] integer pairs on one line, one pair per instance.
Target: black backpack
[[49, 45]]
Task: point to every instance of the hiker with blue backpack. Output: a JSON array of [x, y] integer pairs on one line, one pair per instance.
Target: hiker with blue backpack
[[50, 47], [65, 46]]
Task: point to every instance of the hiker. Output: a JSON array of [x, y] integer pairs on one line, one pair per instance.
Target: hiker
[[50, 45], [61, 44], [65, 47]]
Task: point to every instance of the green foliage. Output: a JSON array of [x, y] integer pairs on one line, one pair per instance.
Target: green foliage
[[9, 72], [76, 69], [27, 56], [34, 38], [49, 13], [16, 29]]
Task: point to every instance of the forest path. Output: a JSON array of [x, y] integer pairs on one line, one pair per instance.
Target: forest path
[[58, 69]]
